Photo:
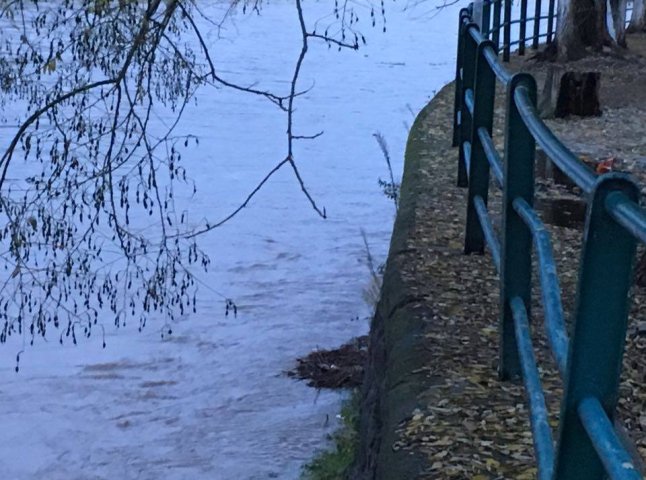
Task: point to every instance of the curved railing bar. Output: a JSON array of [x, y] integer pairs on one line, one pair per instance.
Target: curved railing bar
[[468, 100], [518, 20], [487, 229], [542, 432], [501, 73], [493, 157], [550, 286], [603, 436], [476, 34], [628, 214], [526, 39], [569, 164], [466, 148]]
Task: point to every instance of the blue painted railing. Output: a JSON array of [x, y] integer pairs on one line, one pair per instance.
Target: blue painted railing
[[589, 357]]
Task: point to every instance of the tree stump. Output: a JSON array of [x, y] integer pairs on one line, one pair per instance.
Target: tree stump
[[569, 93], [578, 95]]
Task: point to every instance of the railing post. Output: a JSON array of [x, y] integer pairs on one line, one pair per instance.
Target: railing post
[[458, 79], [537, 24], [507, 32], [550, 20], [522, 31], [601, 315], [497, 8], [485, 23], [468, 76], [516, 263], [484, 95]]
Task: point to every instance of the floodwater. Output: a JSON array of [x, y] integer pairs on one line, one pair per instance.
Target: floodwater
[[211, 400]]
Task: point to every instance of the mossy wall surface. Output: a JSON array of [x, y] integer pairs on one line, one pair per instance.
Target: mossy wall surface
[[395, 372]]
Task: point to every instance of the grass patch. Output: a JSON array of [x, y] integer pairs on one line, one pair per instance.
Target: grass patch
[[333, 464]]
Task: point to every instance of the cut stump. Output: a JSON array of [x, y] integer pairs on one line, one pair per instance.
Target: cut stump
[[578, 95], [569, 93]]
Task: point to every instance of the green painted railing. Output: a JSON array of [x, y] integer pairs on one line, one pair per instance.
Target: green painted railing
[[497, 19], [589, 356]]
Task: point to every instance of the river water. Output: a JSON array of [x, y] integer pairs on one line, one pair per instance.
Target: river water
[[211, 401]]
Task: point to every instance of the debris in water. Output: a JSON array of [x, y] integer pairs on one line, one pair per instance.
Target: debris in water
[[338, 368]]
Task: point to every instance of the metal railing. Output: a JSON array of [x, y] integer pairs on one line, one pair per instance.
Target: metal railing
[[497, 19], [589, 360]]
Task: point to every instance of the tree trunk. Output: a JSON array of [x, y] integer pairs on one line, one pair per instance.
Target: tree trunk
[[638, 17], [548, 97], [582, 25], [618, 10]]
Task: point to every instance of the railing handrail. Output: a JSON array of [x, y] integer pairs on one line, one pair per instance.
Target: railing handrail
[[587, 445], [567, 162]]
